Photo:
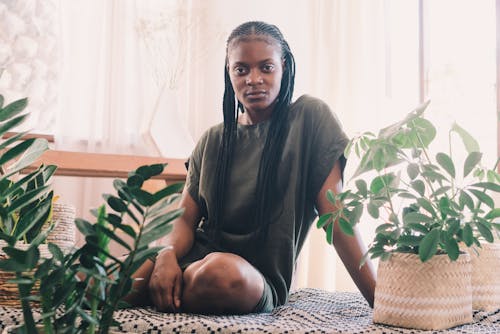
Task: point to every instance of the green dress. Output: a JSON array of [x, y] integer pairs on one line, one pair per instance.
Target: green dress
[[315, 141]]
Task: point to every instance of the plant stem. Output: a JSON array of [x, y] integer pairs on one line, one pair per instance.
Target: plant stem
[[24, 292]]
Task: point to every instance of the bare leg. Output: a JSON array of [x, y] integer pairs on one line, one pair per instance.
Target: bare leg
[[221, 283], [139, 296]]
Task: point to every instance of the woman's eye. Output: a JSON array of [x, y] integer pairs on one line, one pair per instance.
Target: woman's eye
[[268, 68], [240, 70]]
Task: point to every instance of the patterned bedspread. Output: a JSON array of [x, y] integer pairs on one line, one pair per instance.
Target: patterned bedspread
[[308, 311]]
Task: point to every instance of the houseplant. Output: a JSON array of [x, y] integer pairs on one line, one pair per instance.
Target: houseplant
[[25, 202], [427, 210], [80, 290]]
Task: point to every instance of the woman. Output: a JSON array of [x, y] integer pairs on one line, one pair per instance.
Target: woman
[[255, 184]]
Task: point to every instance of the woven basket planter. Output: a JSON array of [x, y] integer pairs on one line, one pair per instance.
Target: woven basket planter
[[433, 295], [63, 235], [485, 280], [9, 294]]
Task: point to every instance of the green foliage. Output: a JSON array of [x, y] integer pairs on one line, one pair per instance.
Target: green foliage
[[428, 206]]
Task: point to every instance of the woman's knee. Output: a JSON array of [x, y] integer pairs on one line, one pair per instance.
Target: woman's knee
[[218, 272]]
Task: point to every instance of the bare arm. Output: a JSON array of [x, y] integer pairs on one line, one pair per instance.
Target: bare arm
[[349, 248], [181, 238], [165, 283]]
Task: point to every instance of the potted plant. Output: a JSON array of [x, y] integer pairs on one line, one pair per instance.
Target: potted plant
[[25, 205], [427, 210]]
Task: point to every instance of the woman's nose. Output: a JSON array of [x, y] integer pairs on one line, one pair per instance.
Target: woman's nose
[[254, 78]]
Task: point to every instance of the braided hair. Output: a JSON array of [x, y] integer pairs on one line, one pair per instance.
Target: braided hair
[[273, 147]]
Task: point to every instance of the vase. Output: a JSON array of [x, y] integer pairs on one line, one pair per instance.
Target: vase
[[485, 283], [433, 295]]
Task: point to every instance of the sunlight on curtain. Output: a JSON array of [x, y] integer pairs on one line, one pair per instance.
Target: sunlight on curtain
[[146, 77]]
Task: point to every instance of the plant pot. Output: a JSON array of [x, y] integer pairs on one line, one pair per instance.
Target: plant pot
[[63, 234], [485, 282], [9, 293], [433, 295]]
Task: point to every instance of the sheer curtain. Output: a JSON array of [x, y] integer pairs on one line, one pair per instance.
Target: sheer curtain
[[146, 77]]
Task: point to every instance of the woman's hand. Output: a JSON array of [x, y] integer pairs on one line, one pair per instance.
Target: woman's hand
[[165, 284]]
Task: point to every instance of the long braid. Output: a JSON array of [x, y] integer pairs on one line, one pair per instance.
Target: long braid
[[277, 132]]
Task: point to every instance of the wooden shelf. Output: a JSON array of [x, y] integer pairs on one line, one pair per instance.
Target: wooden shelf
[[83, 164]]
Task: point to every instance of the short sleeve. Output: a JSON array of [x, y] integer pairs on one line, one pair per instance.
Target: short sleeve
[[194, 169], [328, 144]]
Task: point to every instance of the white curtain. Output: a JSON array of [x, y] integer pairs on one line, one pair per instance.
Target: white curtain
[[146, 78]]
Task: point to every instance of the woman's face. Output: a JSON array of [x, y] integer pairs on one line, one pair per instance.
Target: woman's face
[[255, 67]]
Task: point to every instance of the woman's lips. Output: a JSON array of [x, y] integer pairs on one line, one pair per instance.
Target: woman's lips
[[256, 94]]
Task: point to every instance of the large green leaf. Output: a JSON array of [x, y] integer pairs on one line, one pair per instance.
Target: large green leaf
[[11, 124], [30, 155], [116, 204], [487, 185], [413, 170], [495, 213], [34, 218], [345, 226], [468, 235], [484, 229], [393, 129], [451, 247], [383, 182], [27, 198], [483, 197], [362, 187], [324, 219], [111, 235], [1, 97], [428, 246], [416, 217], [418, 186], [426, 205], [464, 199], [471, 161], [445, 161], [329, 234], [423, 132], [409, 240], [143, 197], [470, 143], [13, 109], [171, 189]]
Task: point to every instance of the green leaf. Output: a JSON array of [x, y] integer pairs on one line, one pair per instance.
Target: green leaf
[[412, 170], [345, 226], [329, 234], [324, 219], [409, 240], [471, 161], [27, 198], [362, 187], [11, 139], [487, 185], [10, 124], [331, 196], [416, 217], [483, 197], [171, 189], [485, 230], [384, 228], [56, 252], [145, 171], [418, 186], [135, 181], [379, 162], [12, 109], [426, 205], [495, 213], [451, 247], [355, 214], [112, 236], [1, 98], [418, 227], [440, 191], [470, 143], [116, 204], [30, 155], [382, 182], [36, 217], [428, 246], [143, 197], [373, 210], [464, 199], [445, 161], [84, 227], [468, 236]]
